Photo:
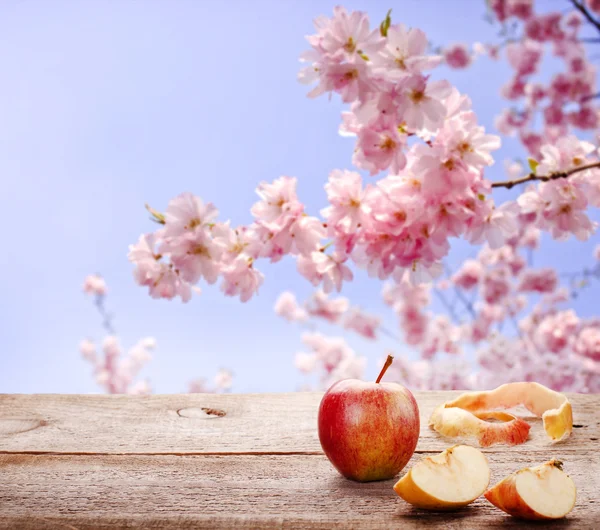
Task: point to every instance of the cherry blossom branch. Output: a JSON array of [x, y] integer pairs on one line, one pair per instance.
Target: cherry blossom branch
[[583, 10], [107, 318], [508, 184]]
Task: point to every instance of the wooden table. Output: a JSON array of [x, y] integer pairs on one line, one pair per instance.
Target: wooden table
[[235, 461]]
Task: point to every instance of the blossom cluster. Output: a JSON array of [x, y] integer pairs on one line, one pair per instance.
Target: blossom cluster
[[333, 310], [422, 131], [419, 140], [331, 357], [561, 104], [513, 317], [506, 321], [116, 371], [222, 382]]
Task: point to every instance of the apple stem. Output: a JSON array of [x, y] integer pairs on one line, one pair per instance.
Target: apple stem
[[556, 463], [388, 363]]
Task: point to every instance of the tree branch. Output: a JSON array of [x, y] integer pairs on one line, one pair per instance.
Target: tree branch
[[106, 316], [447, 305], [591, 96], [508, 184], [583, 10]]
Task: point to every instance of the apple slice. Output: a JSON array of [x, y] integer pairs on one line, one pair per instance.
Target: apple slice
[[447, 481], [536, 493]]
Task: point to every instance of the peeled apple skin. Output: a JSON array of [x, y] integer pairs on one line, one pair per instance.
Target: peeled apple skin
[[368, 430]]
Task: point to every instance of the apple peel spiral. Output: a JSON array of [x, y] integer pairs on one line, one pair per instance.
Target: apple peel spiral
[[466, 415]]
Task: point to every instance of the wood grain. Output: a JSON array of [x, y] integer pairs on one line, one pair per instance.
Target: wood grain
[[176, 424], [234, 461], [240, 491]]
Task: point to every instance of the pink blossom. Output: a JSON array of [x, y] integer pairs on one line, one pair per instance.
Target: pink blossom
[[94, 284], [568, 153], [362, 323], [588, 343], [586, 117], [593, 5], [350, 367], [347, 209], [332, 269], [423, 105], [380, 147], [330, 309], [555, 330], [240, 278], [540, 281], [532, 142], [544, 27], [198, 386], [514, 89], [278, 201], [524, 56], [330, 351], [468, 275], [223, 379], [347, 35], [141, 388], [111, 346], [404, 53], [513, 169], [457, 56], [88, 350], [352, 81], [497, 225], [162, 280], [441, 336], [522, 9], [195, 256], [187, 213], [307, 233], [495, 285], [287, 307], [305, 362]]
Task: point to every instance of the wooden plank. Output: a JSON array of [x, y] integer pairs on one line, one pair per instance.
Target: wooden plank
[[177, 424], [244, 491]]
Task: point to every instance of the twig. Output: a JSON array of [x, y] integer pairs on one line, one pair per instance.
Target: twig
[[508, 184], [583, 10], [389, 333], [447, 305], [591, 96], [468, 304], [106, 316]]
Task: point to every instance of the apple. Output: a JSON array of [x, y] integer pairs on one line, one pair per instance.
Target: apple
[[368, 430], [537, 493], [446, 481]]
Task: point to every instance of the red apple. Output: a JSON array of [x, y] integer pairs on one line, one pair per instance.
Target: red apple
[[368, 430]]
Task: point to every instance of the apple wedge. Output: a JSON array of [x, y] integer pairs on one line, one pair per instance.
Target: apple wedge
[[535, 493], [447, 481]]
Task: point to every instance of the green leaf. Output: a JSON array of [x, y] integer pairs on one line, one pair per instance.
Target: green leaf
[[156, 215], [385, 25], [533, 164]]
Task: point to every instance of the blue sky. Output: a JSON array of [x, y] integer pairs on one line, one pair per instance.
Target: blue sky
[[107, 105]]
